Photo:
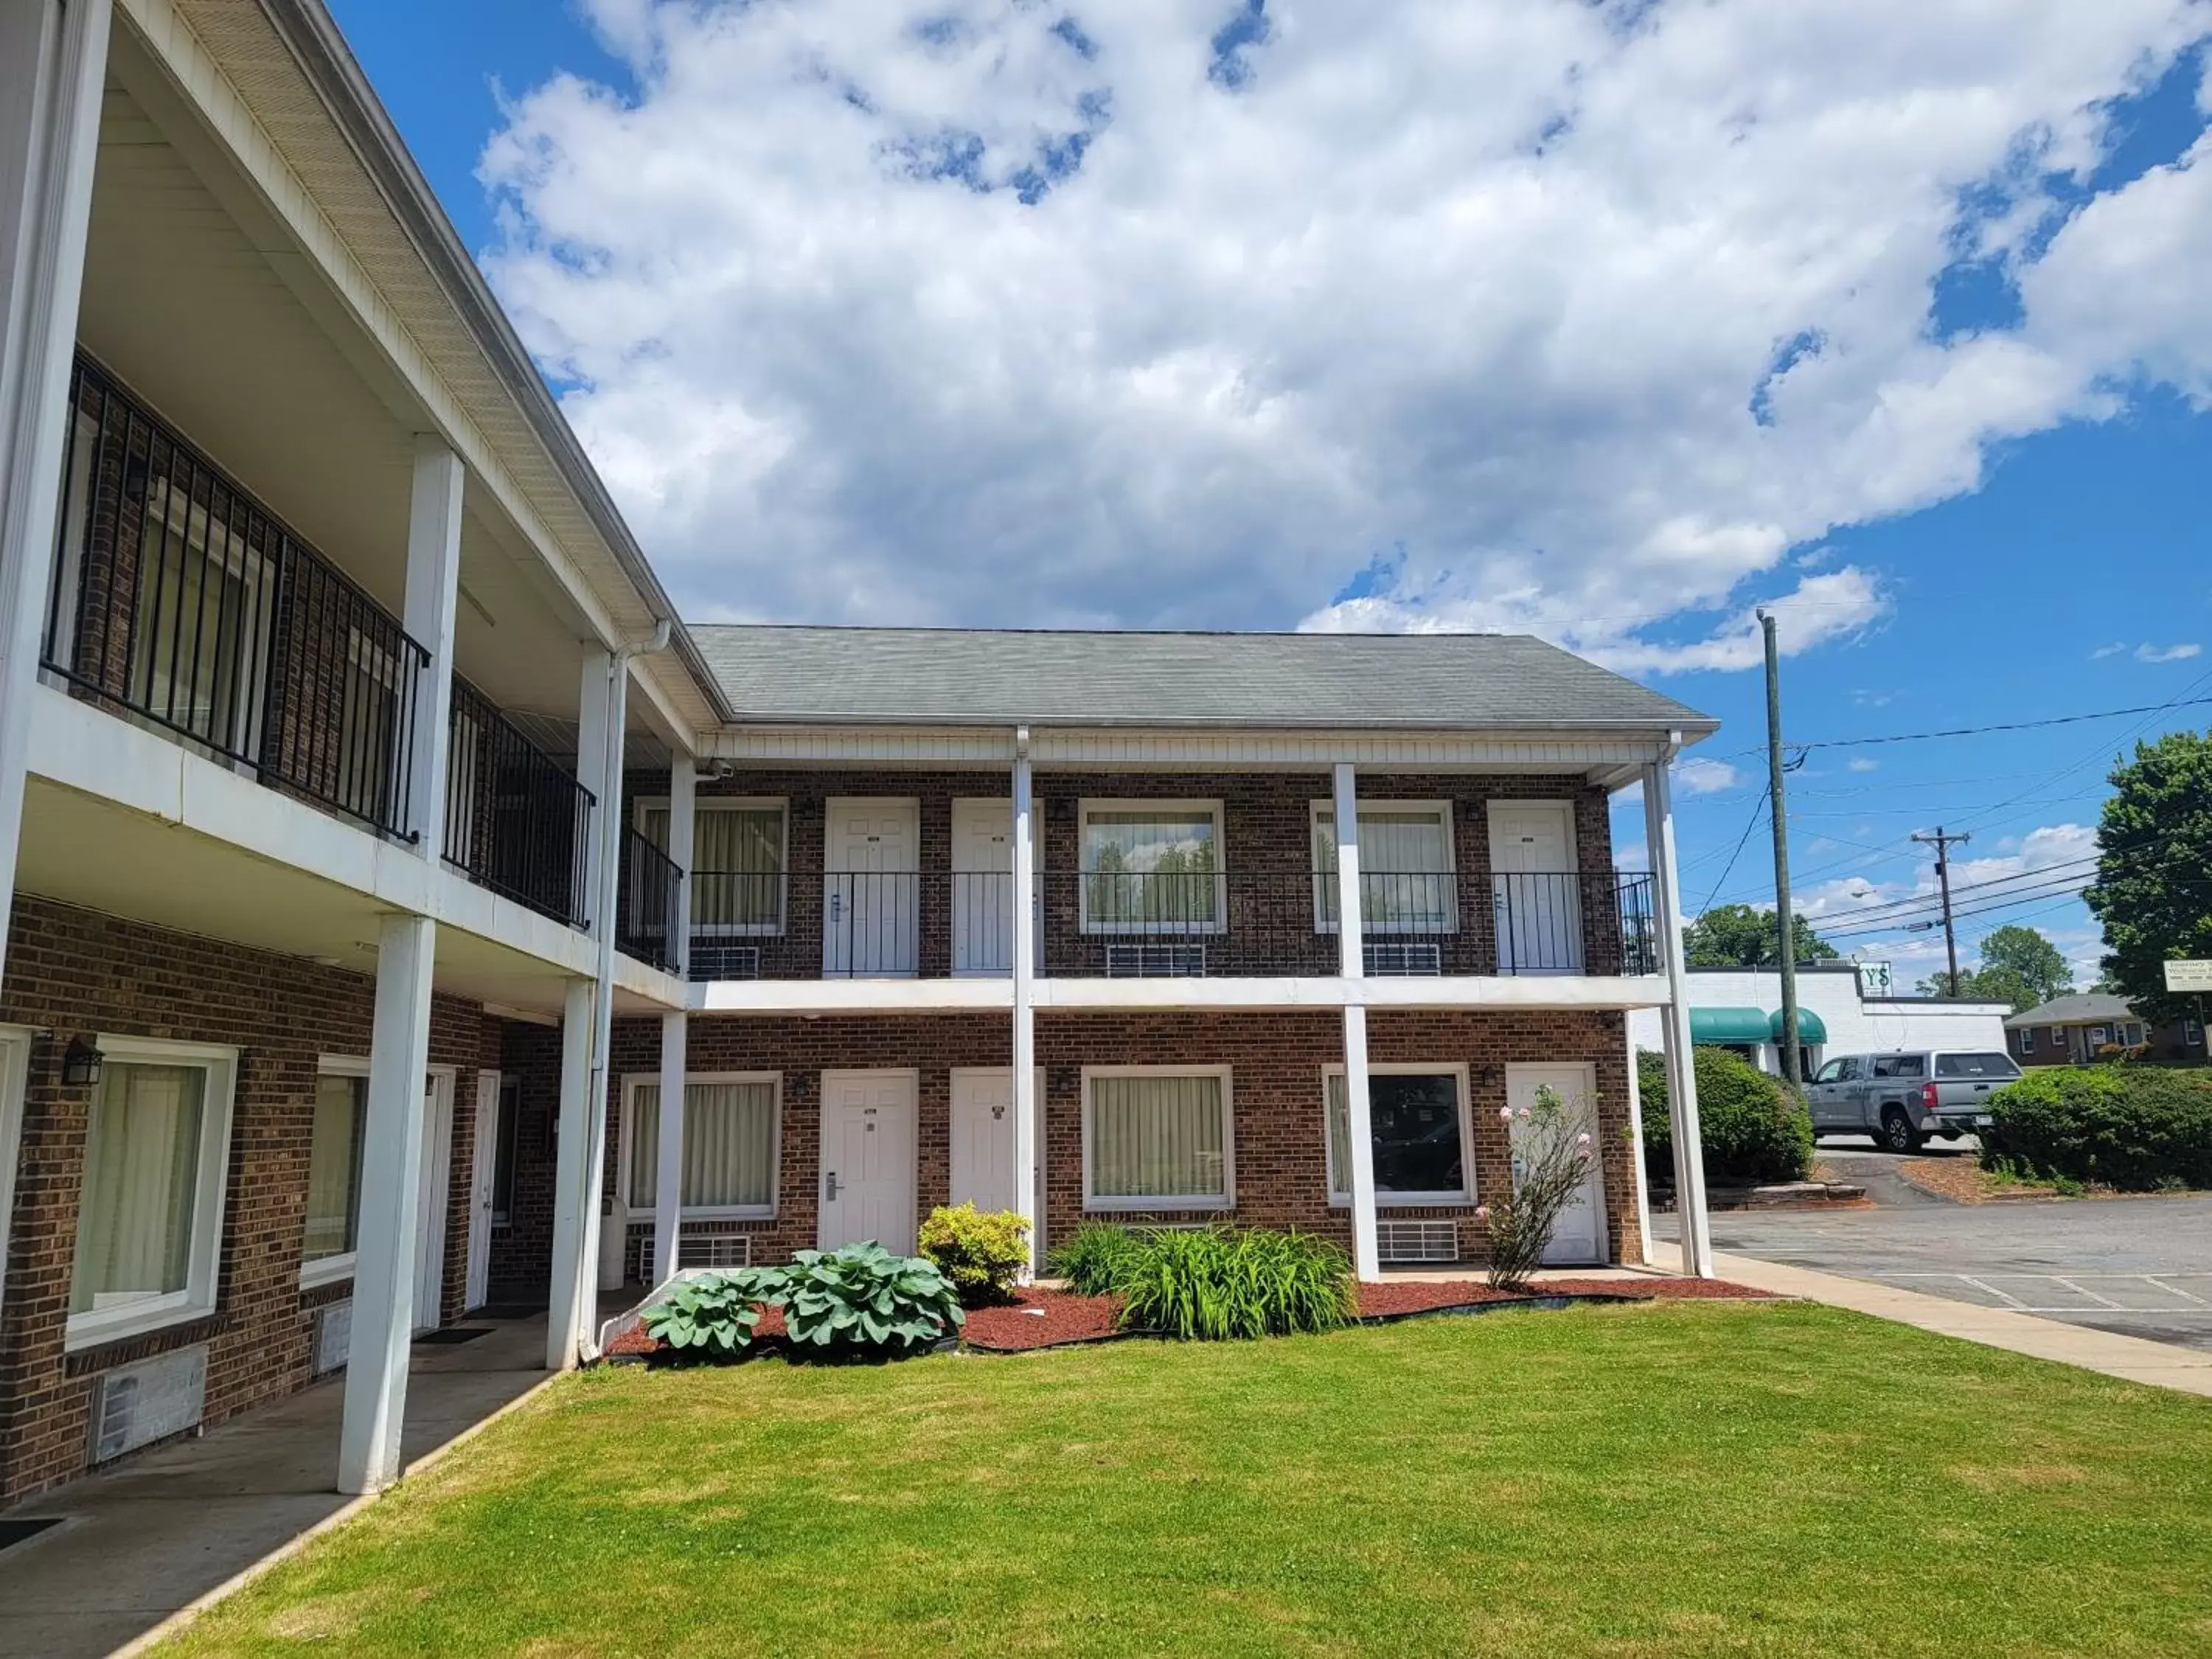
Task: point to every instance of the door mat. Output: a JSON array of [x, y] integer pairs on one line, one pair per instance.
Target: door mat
[[507, 1310], [451, 1335], [14, 1531]]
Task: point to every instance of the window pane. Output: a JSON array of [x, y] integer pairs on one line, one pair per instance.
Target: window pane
[[737, 858], [729, 1145], [1975, 1066], [134, 1234], [502, 1168], [1406, 885], [334, 1167], [1151, 868], [1157, 1137], [645, 1147], [1415, 1122]]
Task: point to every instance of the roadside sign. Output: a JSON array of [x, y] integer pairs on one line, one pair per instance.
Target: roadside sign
[[2189, 976], [1874, 979]]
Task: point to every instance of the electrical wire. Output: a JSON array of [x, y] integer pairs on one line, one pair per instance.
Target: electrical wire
[[2184, 701], [1750, 824]]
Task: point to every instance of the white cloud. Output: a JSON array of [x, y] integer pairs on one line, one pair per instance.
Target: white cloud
[[2103, 650], [2166, 652], [1569, 316], [1862, 763], [1699, 776]]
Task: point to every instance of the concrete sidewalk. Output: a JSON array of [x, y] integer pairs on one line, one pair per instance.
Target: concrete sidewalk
[[2128, 1357], [155, 1533]]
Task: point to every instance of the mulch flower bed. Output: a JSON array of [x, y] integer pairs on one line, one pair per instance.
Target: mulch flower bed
[[1053, 1319]]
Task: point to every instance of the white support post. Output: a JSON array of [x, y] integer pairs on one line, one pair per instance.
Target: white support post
[[1028, 1170], [1351, 963], [433, 575], [668, 1174], [571, 1304], [1635, 1140], [54, 64], [391, 1184], [598, 1246], [591, 765], [682, 843], [1682, 1068]]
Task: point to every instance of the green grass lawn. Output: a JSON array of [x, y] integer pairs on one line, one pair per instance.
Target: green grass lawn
[[1636, 1480]]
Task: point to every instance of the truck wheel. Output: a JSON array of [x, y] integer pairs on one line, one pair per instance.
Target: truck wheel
[[1898, 1134]]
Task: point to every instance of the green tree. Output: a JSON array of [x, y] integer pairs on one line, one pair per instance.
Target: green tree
[[2019, 968], [2152, 889], [1737, 936], [1999, 984]]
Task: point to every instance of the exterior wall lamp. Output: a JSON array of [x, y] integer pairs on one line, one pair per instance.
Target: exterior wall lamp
[[82, 1062]]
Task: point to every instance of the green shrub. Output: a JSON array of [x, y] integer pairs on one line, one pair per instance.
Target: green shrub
[[2138, 1128], [861, 1298], [1214, 1283], [983, 1254], [712, 1316], [1096, 1256], [1752, 1128]]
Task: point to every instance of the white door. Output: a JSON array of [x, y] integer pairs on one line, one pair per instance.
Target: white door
[[489, 1128], [1537, 894], [869, 910], [1580, 1236], [983, 890], [435, 1187], [983, 1136], [868, 1122]]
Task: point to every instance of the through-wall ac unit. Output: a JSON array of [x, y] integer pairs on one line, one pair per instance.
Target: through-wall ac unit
[[1404, 1242], [1389, 960], [1156, 962], [134, 1406], [712, 960], [714, 1249], [333, 1336]]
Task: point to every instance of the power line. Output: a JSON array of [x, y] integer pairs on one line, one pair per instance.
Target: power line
[[1984, 731], [1750, 824]]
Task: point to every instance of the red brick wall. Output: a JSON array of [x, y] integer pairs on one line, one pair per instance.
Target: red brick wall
[[1278, 1058], [71, 971]]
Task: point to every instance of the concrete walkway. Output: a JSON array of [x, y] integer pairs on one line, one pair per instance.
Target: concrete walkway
[[2128, 1357], [158, 1532]]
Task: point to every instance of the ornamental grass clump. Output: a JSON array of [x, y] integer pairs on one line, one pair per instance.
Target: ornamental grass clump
[[1096, 1256], [863, 1299], [1214, 1284], [1551, 1162], [712, 1316], [982, 1252]]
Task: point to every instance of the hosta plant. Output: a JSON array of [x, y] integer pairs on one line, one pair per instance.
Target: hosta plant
[[982, 1252], [712, 1316], [862, 1299]]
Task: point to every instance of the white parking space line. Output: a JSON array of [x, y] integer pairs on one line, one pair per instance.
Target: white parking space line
[[1991, 1290], [2159, 1279], [2129, 1293], [2103, 1302]]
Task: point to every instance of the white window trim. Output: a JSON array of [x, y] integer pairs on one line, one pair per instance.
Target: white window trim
[[330, 1269], [1225, 1201], [780, 805], [203, 1271], [1340, 1198], [1087, 805], [15, 1079], [1324, 812], [2027, 1038], [633, 1081]]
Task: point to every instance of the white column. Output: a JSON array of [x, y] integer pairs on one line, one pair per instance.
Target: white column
[[391, 1181], [1681, 1071], [572, 1302], [433, 575], [607, 872], [1636, 1139], [591, 765], [1351, 963], [53, 62], [1027, 1170], [683, 838], [668, 1192]]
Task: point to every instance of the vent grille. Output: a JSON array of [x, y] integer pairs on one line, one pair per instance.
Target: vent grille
[[1156, 962], [713, 960], [1407, 1242], [1396, 960], [134, 1406], [715, 1250], [333, 1337]]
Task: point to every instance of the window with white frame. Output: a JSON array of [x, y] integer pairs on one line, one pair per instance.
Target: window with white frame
[[2192, 1031], [1156, 1139], [1417, 1117], [1152, 868], [731, 1126], [149, 1216], [1406, 879], [334, 1153], [739, 862]]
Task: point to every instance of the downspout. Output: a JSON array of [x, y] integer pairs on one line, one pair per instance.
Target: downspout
[[609, 871]]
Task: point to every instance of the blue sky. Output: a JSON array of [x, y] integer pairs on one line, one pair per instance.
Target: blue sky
[[889, 293]]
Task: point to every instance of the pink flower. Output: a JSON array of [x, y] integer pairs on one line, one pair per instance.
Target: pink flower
[[1482, 1213], [1505, 1114], [1583, 1139], [1582, 1152], [1524, 1114]]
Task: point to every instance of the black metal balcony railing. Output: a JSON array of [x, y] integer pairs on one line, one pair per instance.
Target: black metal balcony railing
[[648, 900], [516, 820], [1120, 923], [178, 599]]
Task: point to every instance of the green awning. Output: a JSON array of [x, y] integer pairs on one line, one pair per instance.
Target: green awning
[[1730, 1026], [1811, 1033]]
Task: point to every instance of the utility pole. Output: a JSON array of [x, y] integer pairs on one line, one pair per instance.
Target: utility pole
[[1942, 843], [1785, 921]]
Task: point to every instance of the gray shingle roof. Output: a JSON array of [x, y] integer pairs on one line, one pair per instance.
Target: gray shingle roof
[[1364, 681], [2084, 1007]]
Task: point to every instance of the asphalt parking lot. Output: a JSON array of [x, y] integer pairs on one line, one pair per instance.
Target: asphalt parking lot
[[2139, 1267]]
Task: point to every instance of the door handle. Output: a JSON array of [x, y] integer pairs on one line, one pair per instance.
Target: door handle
[[832, 1193]]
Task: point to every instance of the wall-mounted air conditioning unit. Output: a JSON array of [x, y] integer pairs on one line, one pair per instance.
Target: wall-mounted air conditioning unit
[[1390, 960], [1156, 962], [711, 960], [1403, 1243], [333, 1337], [715, 1249], [136, 1405]]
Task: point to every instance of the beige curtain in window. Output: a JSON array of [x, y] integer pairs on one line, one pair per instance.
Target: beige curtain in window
[[334, 1167], [737, 858], [1157, 1137], [1406, 885], [729, 1145], [134, 1236], [1340, 1137]]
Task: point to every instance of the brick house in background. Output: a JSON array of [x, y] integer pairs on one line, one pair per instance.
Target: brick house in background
[[406, 915], [2076, 1029]]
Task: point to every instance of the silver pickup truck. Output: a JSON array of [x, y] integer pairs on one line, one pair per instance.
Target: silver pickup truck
[[1903, 1099]]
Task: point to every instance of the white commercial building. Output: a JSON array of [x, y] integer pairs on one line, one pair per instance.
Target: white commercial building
[[1741, 1008]]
